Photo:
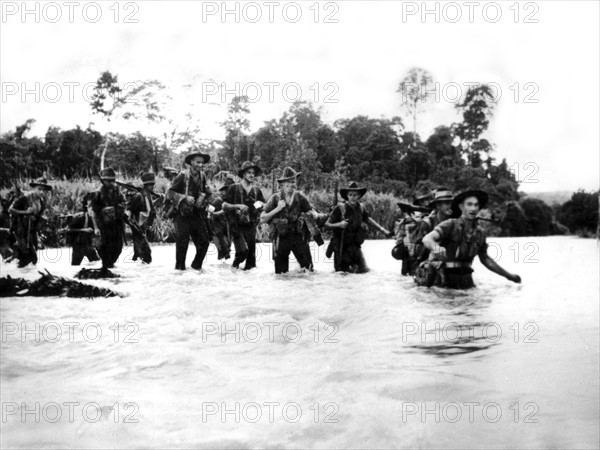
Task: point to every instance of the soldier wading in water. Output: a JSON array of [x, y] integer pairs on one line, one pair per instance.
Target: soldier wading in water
[[26, 213], [108, 216], [79, 234], [283, 212], [242, 204], [190, 195], [142, 214], [346, 220], [454, 244]]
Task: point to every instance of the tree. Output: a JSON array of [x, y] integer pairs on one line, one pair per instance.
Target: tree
[[539, 216], [580, 213], [477, 108], [105, 100], [237, 146], [414, 90]]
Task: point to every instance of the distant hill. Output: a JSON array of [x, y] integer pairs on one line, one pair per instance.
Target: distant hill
[[559, 197]]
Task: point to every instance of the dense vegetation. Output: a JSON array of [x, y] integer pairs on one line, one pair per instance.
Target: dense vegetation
[[393, 162]]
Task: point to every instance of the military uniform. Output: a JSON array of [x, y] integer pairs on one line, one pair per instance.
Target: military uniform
[[220, 230], [108, 205], [286, 232], [24, 228], [143, 214], [243, 225], [353, 237], [190, 220], [81, 242], [462, 243]]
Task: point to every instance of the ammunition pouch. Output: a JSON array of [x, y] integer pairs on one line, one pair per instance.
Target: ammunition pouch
[[109, 215], [281, 226], [185, 209], [425, 274], [400, 252]]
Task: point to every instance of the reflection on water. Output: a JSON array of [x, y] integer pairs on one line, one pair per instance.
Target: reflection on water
[[228, 359]]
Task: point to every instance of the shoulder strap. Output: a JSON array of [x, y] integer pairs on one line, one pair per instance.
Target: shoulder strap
[[342, 209]]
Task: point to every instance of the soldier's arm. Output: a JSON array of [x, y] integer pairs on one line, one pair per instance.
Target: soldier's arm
[[432, 242], [492, 265], [229, 204], [271, 209], [175, 191], [335, 219], [18, 208]]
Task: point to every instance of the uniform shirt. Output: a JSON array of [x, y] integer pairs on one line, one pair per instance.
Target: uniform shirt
[[462, 242], [80, 221], [107, 197], [25, 201], [196, 187], [290, 212], [355, 217], [141, 202], [237, 195]]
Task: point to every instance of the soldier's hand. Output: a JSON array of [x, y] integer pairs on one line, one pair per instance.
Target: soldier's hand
[[343, 224], [29, 210], [190, 200], [243, 208], [439, 253], [281, 204], [514, 278], [96, 232], [87, 230], [388, 233]]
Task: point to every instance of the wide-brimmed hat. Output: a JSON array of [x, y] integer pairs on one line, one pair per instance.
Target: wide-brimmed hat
[[148, 178], [422, 197], [228, 182], [410, 208], [441, 195], [352, 187], [248, 165], [108, 174], [288, 175], [481, 196], [205, 157], [41, 182]]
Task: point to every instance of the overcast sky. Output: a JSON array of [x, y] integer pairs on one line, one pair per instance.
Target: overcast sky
[[357, 52]]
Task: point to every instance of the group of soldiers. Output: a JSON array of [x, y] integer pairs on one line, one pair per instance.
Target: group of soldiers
[[437, 249]]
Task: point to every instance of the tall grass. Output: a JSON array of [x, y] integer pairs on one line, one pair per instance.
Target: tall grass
[[66, 198]]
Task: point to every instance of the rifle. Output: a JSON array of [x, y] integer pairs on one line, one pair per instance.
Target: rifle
[[131, 187]]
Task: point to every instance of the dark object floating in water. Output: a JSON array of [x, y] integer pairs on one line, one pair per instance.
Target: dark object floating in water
[[50, 285], [95, 274]]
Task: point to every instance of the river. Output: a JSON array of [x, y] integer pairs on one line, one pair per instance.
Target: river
[[230, 359]]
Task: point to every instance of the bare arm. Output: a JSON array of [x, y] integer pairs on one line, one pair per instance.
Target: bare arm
[[492, 265], [432, 242], [267, 216]]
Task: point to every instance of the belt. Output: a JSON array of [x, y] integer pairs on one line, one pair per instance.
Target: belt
[[457, 265]]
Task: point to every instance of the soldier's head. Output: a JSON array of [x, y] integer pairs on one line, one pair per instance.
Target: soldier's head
[[41, 186], [287, 182], [352, 193], [467, 204], [442, 202], [469, 207], [196, 161], [108, 177], [249, 172], [148, 180]]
